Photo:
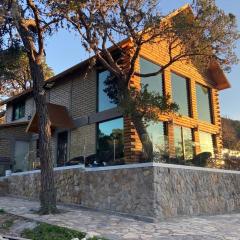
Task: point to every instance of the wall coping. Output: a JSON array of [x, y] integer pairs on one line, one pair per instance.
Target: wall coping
[[81, 166], [131, 166], [162, 165]]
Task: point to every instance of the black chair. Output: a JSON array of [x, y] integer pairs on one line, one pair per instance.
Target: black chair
[[75, 161]]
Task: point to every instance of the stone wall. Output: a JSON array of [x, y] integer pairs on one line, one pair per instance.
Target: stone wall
[[147, 190], [195, 191], [3, 187]]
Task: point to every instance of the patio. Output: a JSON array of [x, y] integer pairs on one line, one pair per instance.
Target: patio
[[116, 227]]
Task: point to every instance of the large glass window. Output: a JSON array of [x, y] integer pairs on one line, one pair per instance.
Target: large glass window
[[18, 110], [159, 139], [204, 103], [104, 102], [183, 141], [110, 140], [155, 83], [206, 142], [180, 93]]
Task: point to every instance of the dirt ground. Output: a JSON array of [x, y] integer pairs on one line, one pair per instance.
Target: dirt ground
[[11, 225]]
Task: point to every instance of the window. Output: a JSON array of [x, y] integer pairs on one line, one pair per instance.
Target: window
[[180, 93], [110, 144], [155, 83], [159, 139], [183, 141], [204, 103], [206, 142], [18, 110], [104, 102]]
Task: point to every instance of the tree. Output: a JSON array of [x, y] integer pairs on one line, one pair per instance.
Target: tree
[[26, 24], [231, 134], [15, 74], [202, 34]]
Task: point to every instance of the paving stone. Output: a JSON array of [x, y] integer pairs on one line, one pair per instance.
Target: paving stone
[[113, 227]]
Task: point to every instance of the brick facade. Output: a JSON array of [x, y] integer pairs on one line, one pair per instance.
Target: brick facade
[[78, 94], [8, 137]]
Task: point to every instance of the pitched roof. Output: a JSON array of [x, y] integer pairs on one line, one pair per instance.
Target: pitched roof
[[17, 97], [215, 70]]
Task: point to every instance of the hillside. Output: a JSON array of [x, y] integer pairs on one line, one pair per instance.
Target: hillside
[[231, 134]]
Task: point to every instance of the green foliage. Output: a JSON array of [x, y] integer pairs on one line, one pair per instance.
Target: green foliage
[[210, 34], [15, 73], [49, 232], [231, 134], [147, 105], [2, 211], [7, 224]]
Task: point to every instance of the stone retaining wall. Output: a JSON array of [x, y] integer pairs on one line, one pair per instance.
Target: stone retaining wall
[[147, 190], [3, 187]]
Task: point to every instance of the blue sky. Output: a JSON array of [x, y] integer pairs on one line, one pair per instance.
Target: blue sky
[[64, 50]]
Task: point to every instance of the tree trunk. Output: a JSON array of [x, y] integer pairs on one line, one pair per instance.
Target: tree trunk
[[144, 137], [48, 191]]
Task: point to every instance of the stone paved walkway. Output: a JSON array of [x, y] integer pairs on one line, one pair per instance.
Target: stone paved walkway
[[113, 227]]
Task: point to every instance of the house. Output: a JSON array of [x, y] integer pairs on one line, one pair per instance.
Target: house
[[2, 117], [84, 121]]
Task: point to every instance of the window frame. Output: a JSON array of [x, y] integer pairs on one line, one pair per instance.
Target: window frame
[[182, 141], [213, 139], [97, 131], [165, 133], [160, 74], [18, 105], [97, 92], [211, 110], [189, 92]]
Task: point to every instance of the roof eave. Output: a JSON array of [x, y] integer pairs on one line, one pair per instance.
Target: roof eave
[[218, 76]]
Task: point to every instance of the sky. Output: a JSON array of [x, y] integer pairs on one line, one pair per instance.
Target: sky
[[64, 50]]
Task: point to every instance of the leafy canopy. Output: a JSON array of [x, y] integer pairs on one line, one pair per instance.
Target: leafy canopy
[[15, 75]]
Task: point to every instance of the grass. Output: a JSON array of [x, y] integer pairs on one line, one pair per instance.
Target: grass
[[50, 232], [2, 211], [7, 224]]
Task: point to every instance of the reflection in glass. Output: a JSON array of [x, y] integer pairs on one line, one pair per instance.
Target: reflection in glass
[[158, 138], [155, 83], [110, 140], [104, 102], [18, 110], [206, 142], [203, 103], [183, 141], [180, 93]]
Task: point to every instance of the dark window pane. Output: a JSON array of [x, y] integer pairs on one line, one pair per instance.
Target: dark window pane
[[110, 140], [104, 102], [18, 110], [206, 142], [155, 83], [180, 93], [159, 139], [183, 140], [203, 103]]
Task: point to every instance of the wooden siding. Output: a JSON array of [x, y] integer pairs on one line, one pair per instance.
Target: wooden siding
[[158, 54]]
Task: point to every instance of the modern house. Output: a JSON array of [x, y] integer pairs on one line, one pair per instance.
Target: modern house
[[84, 121]]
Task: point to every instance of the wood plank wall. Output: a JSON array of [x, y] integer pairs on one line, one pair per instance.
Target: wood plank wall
[[158, 54]]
